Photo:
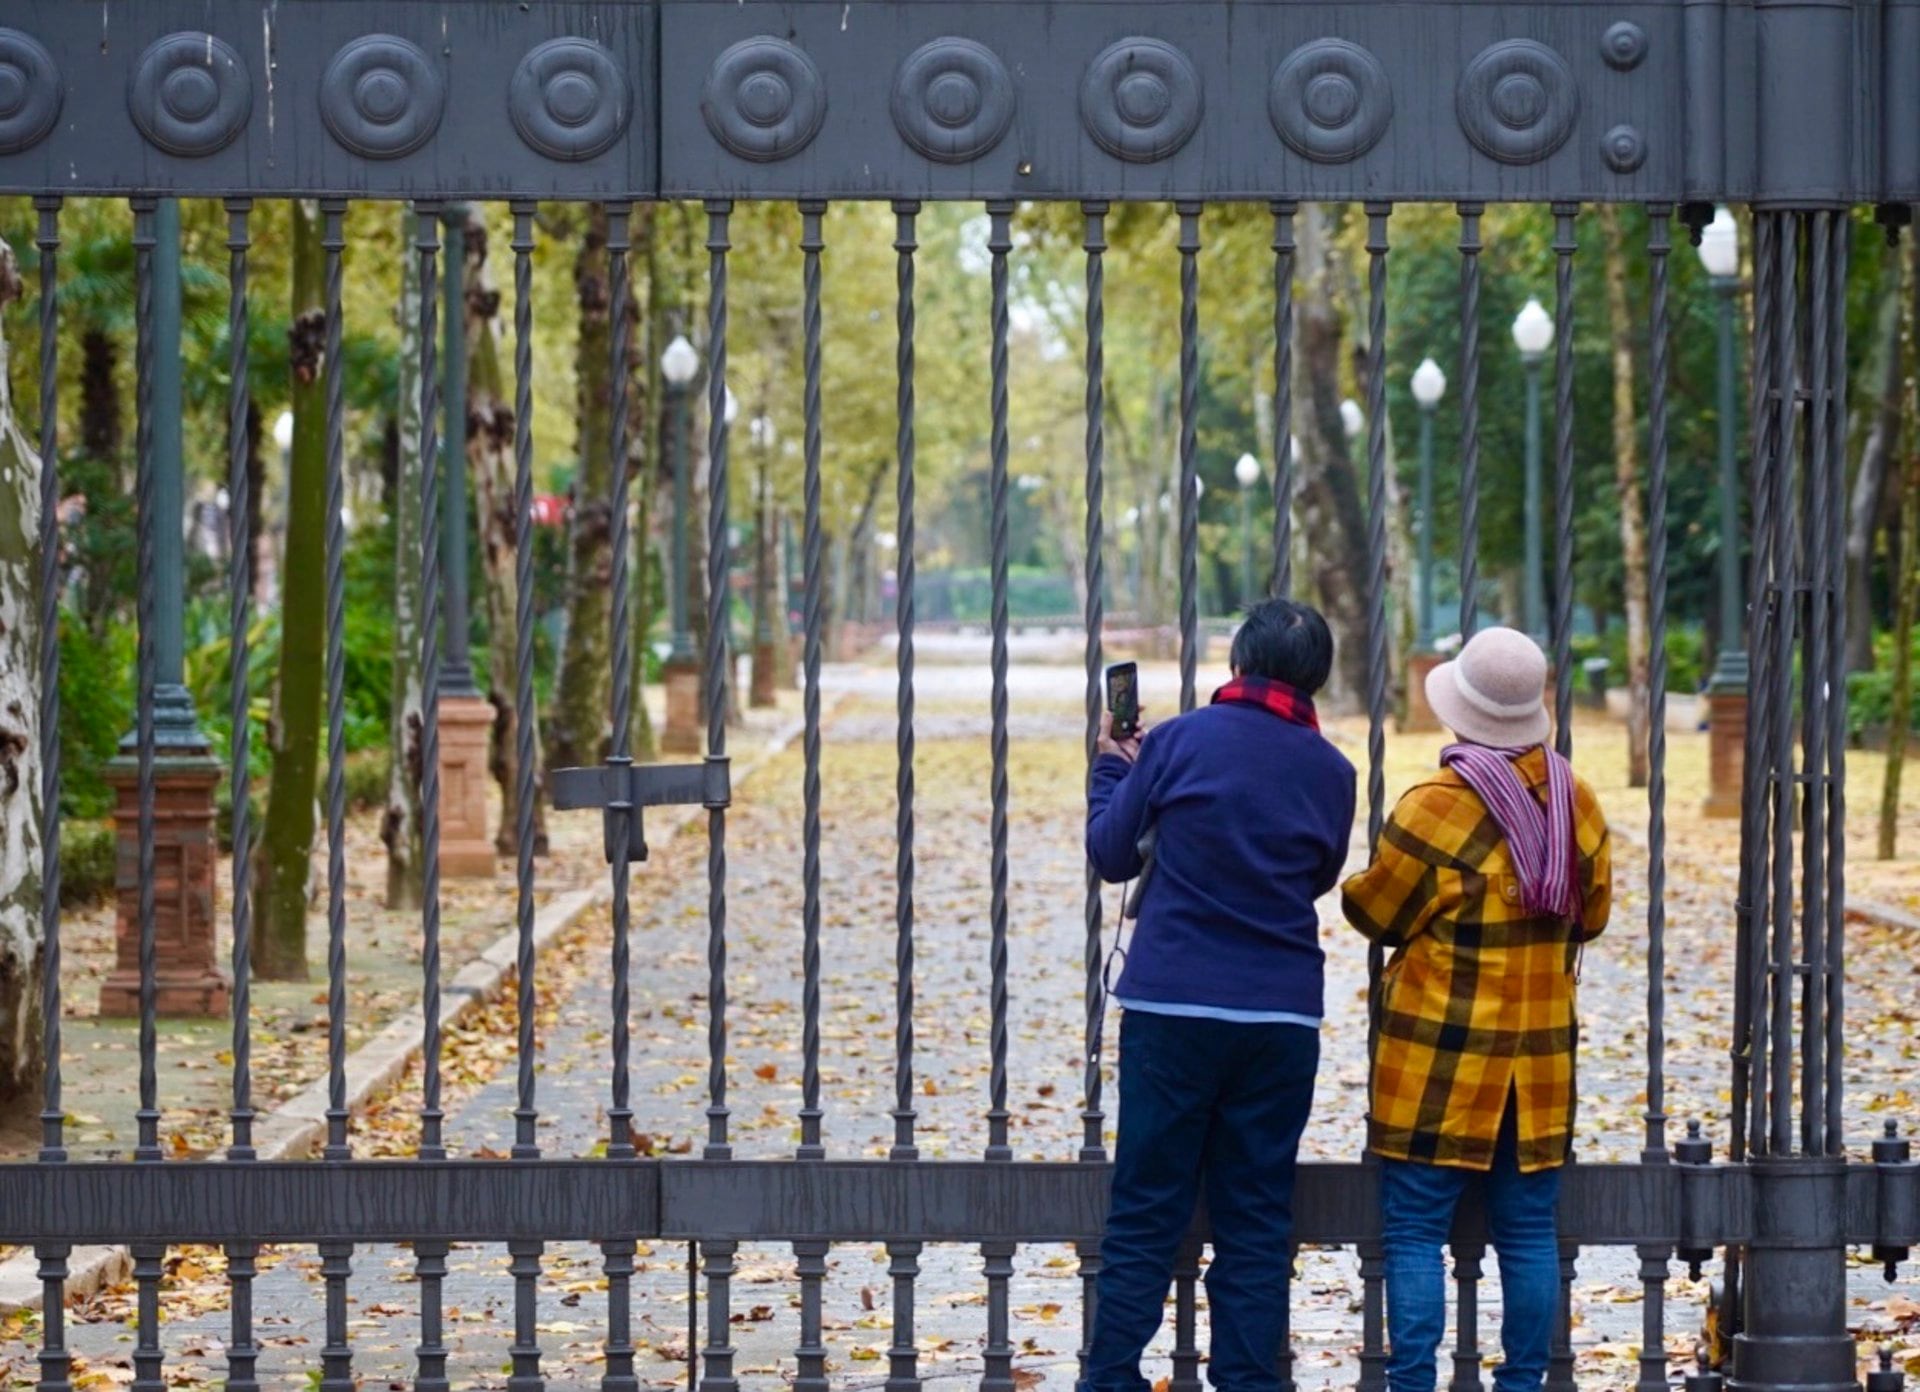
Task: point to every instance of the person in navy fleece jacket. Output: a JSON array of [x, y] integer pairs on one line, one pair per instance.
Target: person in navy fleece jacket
[[1252, 812]]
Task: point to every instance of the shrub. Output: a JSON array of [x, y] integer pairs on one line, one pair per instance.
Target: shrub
[[87, 854]]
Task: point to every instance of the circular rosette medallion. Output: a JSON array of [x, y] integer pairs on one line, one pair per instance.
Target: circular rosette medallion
[[952, 100], [568, 99], [30, 92], [764, 99], [381, 97], [1518, 101], [1330, 101], [191, 94], [1140, 100]]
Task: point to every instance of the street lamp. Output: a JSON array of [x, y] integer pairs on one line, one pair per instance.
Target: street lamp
[[1429, 385], [1246, 473], [678, 366], [1720, 255], [1533, 335]]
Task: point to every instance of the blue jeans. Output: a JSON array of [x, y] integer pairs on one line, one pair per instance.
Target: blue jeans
[[1417, 1203], [1215, 1108]]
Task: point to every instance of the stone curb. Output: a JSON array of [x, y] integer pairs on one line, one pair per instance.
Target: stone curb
[[297, 1127], [1884, 915]]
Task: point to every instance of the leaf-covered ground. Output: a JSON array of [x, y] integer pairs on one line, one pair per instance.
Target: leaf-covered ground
[[1046, 1058]]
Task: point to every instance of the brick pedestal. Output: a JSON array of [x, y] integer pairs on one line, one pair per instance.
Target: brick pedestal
[[1420, 719], [686, 724], [187, 978], [1726, 751], [466, 728]]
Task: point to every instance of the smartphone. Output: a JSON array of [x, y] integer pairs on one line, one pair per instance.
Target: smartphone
[[1123, 699]]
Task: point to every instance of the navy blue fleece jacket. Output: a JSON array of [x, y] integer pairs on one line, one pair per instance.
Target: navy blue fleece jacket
[[1254, 814]]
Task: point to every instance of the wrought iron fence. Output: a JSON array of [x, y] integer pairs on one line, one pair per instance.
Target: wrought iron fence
[[1804, 111]]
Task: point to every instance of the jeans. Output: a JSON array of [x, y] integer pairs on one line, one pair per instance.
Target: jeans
[[1417, 1204], [1215, 1108]]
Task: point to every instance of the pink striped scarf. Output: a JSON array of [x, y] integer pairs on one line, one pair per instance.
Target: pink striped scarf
[[1540, 840]]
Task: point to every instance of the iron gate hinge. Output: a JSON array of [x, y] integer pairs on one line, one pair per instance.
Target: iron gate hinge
[[622, 788]]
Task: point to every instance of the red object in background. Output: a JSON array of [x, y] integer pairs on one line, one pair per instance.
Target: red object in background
[[549, 510]]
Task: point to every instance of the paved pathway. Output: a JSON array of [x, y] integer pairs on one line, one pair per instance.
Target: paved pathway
[[669, 1006]]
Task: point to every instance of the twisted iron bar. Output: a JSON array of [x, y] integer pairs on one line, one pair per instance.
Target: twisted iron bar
[[1780, 763], [426, 245], [1189, 423], [1093, 1120], [1283, 482], [239, 621], [812, 243], [719, 566], [1564, 245], [526, 1115], [1749, 1013], [145, 237], [904, 245], [999, 243], [619, 243], [54, 1360], [1659, 245], [1836, 660], [1818, 511], [1470, 417], [1377, 672], [333, 242]]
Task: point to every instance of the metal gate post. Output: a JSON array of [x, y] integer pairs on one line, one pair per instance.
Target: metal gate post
[[1794, 1282]]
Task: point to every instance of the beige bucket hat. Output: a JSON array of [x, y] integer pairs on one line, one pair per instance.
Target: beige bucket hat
[[1494, 692]]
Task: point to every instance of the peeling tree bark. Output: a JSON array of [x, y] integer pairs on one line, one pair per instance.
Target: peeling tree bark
[[400, 828], [21, 948]]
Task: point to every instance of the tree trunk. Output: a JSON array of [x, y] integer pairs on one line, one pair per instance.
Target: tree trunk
[[764, 628], [1626, 473], [1868, 507], [490, 463], [283, 867], [1328, 489], [263, 552], [648, 458], [1907, 580], [579, 719], [22, 964], [400, 828]]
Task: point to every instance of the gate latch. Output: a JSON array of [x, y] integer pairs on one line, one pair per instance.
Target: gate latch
[[622, 788]]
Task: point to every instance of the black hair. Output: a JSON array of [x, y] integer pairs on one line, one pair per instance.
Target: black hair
[[1284, 640]]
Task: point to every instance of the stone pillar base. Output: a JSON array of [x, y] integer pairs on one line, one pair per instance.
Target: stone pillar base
[[1726, 751], [686, 725], [187, 979], [466, 729], [1420, 719]]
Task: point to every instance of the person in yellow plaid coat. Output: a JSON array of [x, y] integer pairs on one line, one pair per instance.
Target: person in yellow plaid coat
[[1473, 1069]]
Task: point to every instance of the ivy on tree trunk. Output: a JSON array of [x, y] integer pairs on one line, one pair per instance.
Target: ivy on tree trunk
[[283, 864]]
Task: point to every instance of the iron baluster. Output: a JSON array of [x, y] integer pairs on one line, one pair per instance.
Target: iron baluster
[[242, 1352], [1560, 1357], [55, 1361], [1093, 1145], [810, 1258], [1564, 245], [1468, 1258], [903, 1258], [1373, 1318], [1189, 484], [1786, 576], [999, 243], [903, 1109], [618, 1264], [1186, 1321], [812, 243], [336, 1356], [1816, 513], [1283, 486], [430, 1257], [619, 812], [1834, 541], [1470, 419], [719, 567], [526, 1116], [524, 1256], [718, 1354], [1659, 245]]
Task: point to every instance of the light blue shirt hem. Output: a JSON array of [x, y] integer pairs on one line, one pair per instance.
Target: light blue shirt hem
[[1218, 1012]]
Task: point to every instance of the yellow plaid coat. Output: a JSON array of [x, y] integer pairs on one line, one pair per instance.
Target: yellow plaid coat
[[1477, 1000]]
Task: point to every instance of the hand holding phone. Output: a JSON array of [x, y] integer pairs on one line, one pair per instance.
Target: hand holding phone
[[1123, 702]]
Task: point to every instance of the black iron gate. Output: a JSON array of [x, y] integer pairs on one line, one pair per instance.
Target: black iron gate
[[1803, 111]]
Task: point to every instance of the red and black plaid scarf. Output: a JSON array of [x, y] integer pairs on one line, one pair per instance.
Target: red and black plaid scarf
[[1289, 703]]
